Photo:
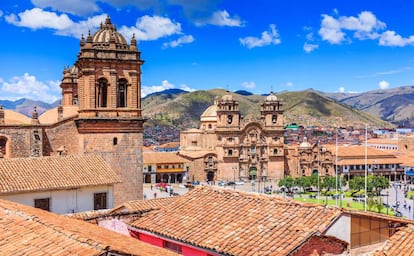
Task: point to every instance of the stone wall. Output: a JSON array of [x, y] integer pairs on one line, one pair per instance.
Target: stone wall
[[123, 152], [64, 135], [18, 140]]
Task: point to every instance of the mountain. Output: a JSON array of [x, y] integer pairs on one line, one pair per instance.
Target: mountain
[[26, 106], [243, 92], [304, 107], [394, 105], [170, 92]]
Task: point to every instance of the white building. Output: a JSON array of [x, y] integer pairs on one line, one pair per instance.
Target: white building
[[60, 184]]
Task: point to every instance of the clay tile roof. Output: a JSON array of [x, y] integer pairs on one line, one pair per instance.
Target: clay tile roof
[[173, 144], [143, 205], [54, 172], [30, 231], [399, 244], [234, 223], [162, 157]]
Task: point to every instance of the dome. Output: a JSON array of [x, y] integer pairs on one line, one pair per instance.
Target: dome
[[305, 143], [107, 33], [210, 114], [14, 118], [271, 97], [52, 116], [227, 97]]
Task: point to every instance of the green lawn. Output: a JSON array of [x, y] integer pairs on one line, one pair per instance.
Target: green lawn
[[348, 203]]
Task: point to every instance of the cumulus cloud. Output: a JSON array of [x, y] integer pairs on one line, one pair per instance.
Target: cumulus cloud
[[383, 85], [222, 19], [179, 42], [152, 28], [268, 38], [37, 19], [341, 89], [27, 86], [77, 7], [249, 85], [364, 26], [391, 38], [145, 90], [308, 47], [62, 25]]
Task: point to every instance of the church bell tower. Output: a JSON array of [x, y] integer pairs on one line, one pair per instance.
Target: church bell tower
[[108, 94]]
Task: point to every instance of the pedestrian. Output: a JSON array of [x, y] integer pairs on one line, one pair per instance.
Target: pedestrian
[[409, 208], [145, 196], [151, 186], [155, 195]]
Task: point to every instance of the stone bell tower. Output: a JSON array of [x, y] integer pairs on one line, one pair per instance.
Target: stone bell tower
[[108, 94]]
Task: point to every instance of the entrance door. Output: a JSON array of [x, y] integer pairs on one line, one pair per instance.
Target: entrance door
[[252, 173], [210, 176]]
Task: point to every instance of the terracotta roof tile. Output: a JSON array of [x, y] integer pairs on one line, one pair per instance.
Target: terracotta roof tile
[[54, 172], [162, 157], [399, 244], [143, 205], [233, 222], [31, 231]]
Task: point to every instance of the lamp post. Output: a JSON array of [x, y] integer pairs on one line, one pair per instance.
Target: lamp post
[[387, 201], [396, 196]]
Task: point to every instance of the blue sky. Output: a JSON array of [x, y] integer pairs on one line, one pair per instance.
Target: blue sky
[[259, 46]]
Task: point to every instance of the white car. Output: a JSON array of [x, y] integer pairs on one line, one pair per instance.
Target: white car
[[239, 182]]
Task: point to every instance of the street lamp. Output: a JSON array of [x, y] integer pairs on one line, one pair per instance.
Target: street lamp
[[234, 177], [396, 196]]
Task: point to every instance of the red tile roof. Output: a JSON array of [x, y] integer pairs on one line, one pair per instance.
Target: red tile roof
[[54, 172], [143, 205], [30, 231], [163, 158], [237, 223], [401, 243]]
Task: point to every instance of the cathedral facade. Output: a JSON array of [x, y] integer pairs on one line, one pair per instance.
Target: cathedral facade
[[229, 147], [100, 112]]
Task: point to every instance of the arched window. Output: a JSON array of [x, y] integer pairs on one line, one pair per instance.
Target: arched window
[[121, 96], [102, 93]]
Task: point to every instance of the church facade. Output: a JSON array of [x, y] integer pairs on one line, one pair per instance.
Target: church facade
[[229, 147], [100, 112]]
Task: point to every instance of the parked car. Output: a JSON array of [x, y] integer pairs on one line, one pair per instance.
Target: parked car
[[240, 182]]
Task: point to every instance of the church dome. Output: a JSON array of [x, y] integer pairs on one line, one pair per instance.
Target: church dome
[[210, 114], [227, 97], [305, 143], [106, 34], [271, 97]]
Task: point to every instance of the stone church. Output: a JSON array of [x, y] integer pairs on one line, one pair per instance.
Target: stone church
[[100, 112], [229, 147]]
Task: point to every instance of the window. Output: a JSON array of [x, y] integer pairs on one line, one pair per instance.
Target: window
[[274, 119], [172, 246], [115, 141], [149, 168], [275, 152], [102, 93], [230, 152], [42, 203], [3, 142], [229, 119], [122, 93], [99, 201]]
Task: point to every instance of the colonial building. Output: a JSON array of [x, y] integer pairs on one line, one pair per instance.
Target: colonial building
[[100, 112], [229, 147], [59, 184], [164, 167]]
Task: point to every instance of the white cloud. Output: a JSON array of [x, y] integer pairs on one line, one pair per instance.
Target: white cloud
[[145, 90], [221, 18], [27, 86], [77, 7], [308, 47], [151, 28], [289, 84], [365, 26], [1, 13], [383, 85], [267, 38], [391, 38], [249, 85], [179, 42], [37, 18], [341, 89]]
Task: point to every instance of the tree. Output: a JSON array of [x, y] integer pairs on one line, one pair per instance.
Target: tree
[[357, 183], [287, 182], [303, 182], [328, 182], [380, 183], [371, 203], [379, 204]]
